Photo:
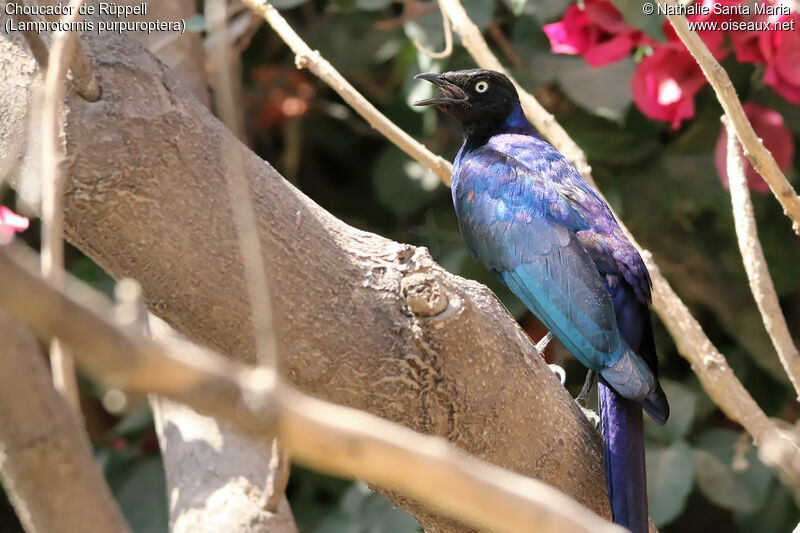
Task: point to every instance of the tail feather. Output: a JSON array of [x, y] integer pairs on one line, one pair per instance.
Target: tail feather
[[623, 444]]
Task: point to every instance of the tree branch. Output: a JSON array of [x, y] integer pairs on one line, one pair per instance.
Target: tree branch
[[46, 464], [756, 265], [324, 436], [451, 362], [754, 149]]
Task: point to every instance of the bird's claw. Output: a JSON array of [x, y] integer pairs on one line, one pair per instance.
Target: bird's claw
[[558, 371], [583, 397], [593, 417], [543, 342]]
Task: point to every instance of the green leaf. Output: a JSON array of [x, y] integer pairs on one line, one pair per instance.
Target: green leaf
[[427, 30], [632, 13], [544, 11], [669, 481], [133, 423], [604, 91], [682, 402], [287, 4], [401, 184], [139, 487], [518, 6], [364, 511], [479, 11], [779, 514], [742, 489], [373, 5], [196, 23]]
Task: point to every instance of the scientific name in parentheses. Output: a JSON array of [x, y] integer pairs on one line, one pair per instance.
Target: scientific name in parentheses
[[103, 8], [759, 8]]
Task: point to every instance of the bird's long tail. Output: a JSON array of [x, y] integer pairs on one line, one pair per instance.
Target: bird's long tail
[[623, 444]]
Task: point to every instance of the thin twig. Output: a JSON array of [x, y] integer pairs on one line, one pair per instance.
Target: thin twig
[[505, 45], [84, 80], [754, 149], [35, 42], [331, 438], [241, 202], [448, 39], [756, 265], [313, 61], [476, 45], [52, 264]]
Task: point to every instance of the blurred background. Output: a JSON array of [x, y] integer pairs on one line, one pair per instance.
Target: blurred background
[[653, 156]]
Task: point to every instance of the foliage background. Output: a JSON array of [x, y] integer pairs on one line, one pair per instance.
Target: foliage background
[[703, 473]]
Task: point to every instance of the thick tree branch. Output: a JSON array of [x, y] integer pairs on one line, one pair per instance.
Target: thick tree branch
[[327, 437], [756, 265], [46, 464], [401, 337], [754, 149]]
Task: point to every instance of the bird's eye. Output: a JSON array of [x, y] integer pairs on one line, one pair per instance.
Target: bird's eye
[[482, 86]]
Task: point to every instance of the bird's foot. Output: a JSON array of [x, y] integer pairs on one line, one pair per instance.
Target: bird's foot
[[542, 344], [583, 396], [558, 371], [593, 417]]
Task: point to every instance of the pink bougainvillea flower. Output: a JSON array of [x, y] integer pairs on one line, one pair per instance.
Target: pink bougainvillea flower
[[781, 50], [596, 31], [778, 50], [665, 83], [777, 138], [10, 223]]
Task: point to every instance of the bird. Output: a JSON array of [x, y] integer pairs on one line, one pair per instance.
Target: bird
[[528, 215]]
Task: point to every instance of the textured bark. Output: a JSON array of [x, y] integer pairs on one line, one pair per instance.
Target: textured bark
[[216, 478], [46, 463], [361, 320]]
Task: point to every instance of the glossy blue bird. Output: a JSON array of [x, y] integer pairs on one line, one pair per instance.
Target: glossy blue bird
[[530, 218]]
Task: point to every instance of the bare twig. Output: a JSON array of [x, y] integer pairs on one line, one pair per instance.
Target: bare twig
[[448, 39], [84, 80], [505, 45], [543, 121], [331, 438], [313, 61], [754, 149], [35, 42], [756, 265], [46, 463], [61, 50]]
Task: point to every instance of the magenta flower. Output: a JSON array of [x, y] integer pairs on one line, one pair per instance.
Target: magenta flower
[[777, 138], [665, 83], [10, 223], [596, 31], [778, 50]]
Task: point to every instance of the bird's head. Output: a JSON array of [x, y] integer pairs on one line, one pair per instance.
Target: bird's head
[[475, 97]]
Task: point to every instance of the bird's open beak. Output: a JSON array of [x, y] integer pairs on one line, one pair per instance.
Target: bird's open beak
[[451, 93]]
